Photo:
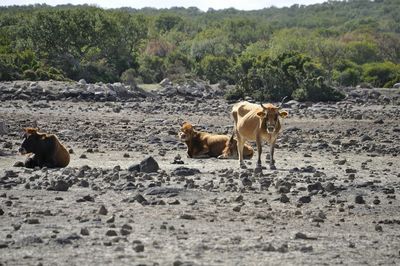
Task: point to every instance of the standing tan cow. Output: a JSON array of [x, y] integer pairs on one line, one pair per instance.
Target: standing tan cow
[[257, 122]]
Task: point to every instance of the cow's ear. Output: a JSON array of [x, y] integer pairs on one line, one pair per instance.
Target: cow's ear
[[283, 114], [261, 114]]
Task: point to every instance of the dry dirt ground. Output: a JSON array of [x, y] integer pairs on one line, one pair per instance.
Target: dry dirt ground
[[334, 198]]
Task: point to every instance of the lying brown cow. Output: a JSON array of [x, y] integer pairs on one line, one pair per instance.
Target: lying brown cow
[[257, 122], [47, 150], [203, 145]]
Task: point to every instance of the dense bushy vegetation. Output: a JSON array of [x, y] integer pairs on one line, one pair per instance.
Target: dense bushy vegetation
[[300, 51]]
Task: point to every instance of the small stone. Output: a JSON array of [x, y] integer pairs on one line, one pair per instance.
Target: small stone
[[316, 186], [19, 164], [268, 248], [300, 235], [84, 231], [174, 202], [59, 185], [284, 198], [359, 199], [236, 208], [184, 171], [111, 219], [187, 216], [139, 247], [84, 183], [124, 232], [16, 226], [111, 233], [3, 245], [149, 165], [127, 227], [378, 228], [32, 221], [83, 156], [246, 182], [305, 199], [103, 210], [126, 155], [134, 168], [306, 249], [1, 211]]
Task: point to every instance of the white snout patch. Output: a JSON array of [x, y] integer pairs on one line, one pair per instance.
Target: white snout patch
[[23, 151], [182, 136]]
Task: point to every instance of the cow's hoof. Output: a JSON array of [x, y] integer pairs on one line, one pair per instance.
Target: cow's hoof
[[272, 167]]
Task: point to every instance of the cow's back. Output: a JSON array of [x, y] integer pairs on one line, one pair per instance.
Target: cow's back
[[61, 156], [215, 143], [246, 119]]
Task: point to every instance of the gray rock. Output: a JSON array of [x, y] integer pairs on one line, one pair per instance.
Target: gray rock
[[184, 171], [111, 233], [149, 165], [300, 235], [284, 198], [316, 186], [32, 221], [84, 231], [163, 190], [103, 210], [138, 247], [59, 185], [305, 199], [359, 199], [187, 216], [134, 168]]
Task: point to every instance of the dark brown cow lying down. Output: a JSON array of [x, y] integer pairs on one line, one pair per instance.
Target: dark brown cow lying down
[[203, 145], [46, 149]]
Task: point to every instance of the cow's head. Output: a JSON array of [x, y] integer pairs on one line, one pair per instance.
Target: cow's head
[[186, 132], [270, 116], [31, 141]]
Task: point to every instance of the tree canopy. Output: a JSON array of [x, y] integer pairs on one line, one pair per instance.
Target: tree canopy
[[341, 43]]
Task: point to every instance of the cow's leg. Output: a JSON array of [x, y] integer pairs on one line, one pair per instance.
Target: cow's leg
[[259, 151], [31, 162], [271, 156], [240, 146]]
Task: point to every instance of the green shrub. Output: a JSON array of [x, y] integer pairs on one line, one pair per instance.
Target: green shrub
[[42, 74], [315, 90], [98, 71], [235, 94], [215, 68], [8, 71], [29, 75], [152, 69], [381, 74], [290, 74], [128, 77], [347, 73]]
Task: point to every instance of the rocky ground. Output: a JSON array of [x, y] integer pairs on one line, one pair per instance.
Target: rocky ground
[[131, 196]]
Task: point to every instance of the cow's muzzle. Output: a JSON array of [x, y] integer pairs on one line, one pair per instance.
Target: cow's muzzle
[[270, 129], [182, 136], [22, 151]]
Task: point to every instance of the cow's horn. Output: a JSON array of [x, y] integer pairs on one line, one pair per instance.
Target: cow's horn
[[262, 106], [280, 105]]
